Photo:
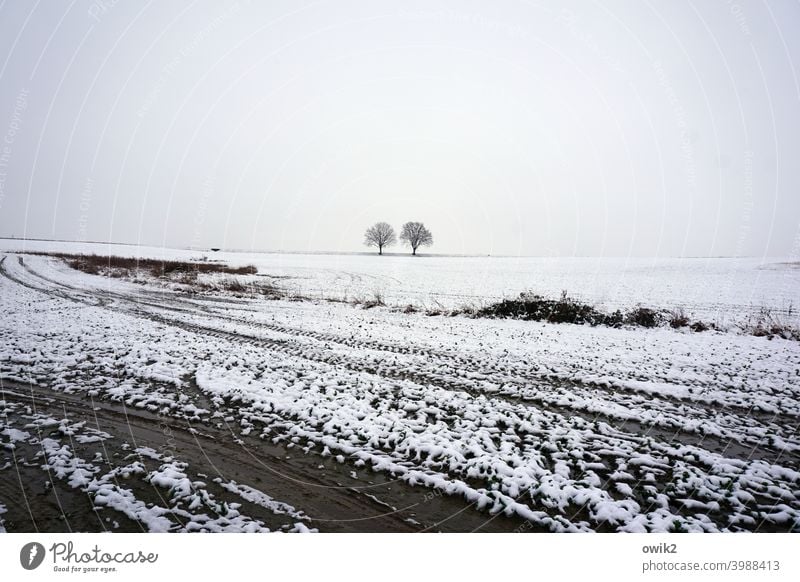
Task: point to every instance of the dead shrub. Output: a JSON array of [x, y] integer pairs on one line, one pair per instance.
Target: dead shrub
[[375, 301], [678, 318]]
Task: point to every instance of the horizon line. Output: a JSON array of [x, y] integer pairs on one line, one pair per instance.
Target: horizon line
[[394, 254]]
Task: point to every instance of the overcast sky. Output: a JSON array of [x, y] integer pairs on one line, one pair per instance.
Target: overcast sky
[[511, 127]]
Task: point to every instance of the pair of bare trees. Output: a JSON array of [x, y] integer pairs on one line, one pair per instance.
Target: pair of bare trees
[[413, 234]]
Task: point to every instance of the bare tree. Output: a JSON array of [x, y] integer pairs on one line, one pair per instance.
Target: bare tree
[[415, 235], [380, 235]]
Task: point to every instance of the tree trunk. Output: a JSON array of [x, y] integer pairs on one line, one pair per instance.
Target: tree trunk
[[414, 251], [380, 249]]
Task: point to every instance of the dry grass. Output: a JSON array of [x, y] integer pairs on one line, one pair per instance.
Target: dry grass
[[678, 318], [127, 266], [768, 324], [239, 287]]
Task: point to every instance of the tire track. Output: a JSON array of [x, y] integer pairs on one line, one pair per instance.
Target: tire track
[[507, 375], [663, 430]]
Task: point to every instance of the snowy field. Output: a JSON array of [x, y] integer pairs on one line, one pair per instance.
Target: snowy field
[[723, 291], [133, 407]]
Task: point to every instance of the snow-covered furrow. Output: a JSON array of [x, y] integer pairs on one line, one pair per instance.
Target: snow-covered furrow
[[497, 379], [718, 370], [507, 370], [564, 397], [178, 503], [457, 414], [553, 396], [462, 436]]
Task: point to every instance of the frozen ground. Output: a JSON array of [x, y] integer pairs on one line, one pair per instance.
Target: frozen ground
[[130, 406], [723, 291]]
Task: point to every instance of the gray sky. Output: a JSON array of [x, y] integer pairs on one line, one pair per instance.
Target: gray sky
[[511, 127]]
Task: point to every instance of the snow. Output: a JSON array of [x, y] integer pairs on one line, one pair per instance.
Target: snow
[[255, 496], [719, 290], [646, 429], [14, 435], [185, 505]]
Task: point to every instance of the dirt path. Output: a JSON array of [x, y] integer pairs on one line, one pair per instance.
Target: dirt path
[[335, 496]]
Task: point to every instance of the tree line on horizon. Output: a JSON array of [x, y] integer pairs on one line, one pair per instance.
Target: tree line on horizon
[[413, 234]]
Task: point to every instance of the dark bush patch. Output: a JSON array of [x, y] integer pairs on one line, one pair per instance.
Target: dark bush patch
[[614, 319], [643, 317], [529, 306], [537, 308]]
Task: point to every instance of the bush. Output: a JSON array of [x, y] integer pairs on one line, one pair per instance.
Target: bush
[[699, 326], [537, 308], [615, 319], [678, 318], [533, 307], [643, 317], [566, 309]]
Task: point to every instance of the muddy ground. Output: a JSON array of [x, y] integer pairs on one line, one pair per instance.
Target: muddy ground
[[325, 489]]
